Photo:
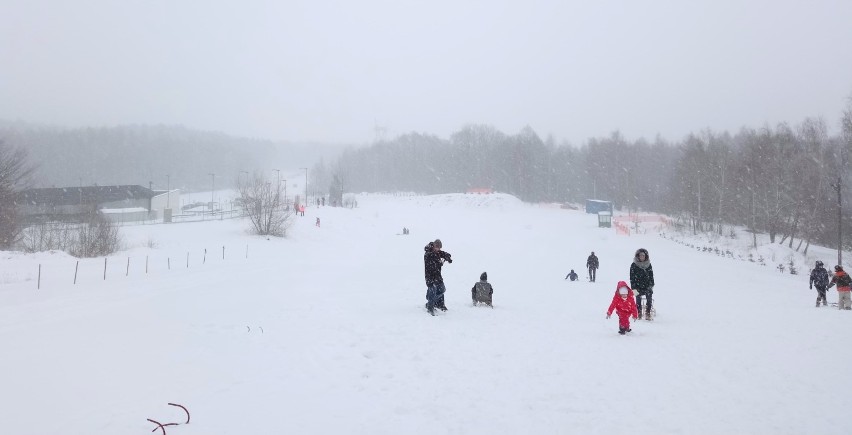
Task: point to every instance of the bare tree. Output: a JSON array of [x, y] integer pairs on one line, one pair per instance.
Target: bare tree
[[14, 174], [264, 206], [95, 238]]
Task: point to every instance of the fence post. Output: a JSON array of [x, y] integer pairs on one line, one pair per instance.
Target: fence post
[[204, 261], [105, 261], [38, 286], [75, 271], [187, 260], [127, 273], [223, 252], [246, 251], [169, 261]]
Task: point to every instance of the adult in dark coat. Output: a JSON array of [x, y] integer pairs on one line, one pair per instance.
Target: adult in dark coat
[[820, 278], [433, 260], [592, 264], [642, 280]]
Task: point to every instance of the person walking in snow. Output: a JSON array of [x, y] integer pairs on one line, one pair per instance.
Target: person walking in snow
[[819, 278], [571, 275], [642, 281], [624, 306], [433, 260], [592, 264], [318, 223], [844, 288], [482, 291]]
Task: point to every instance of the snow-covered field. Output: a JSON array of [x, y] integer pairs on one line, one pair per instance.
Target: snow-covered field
[[324, 332]]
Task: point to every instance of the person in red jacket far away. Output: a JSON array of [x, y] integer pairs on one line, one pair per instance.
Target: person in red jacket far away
[[624, 304]]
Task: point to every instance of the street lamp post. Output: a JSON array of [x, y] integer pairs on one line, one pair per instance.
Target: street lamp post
[[168, 191], [212, 190]]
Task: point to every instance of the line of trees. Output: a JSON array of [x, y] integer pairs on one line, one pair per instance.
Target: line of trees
[[776, 180]]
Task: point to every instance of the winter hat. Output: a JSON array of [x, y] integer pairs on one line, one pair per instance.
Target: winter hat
[[818, 263], [838, 268], [483, 277], [438, 244], [623, 291]]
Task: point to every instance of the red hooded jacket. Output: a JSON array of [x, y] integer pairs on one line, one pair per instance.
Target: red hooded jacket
[[623, 307]]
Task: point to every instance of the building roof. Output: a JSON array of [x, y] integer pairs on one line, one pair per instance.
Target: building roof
[[82, 195]]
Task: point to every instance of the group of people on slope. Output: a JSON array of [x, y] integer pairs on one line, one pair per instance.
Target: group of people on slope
[[433, 260], [623, 302], [820, 280]]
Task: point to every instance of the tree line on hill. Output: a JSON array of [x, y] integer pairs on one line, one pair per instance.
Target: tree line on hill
[[778, 180]]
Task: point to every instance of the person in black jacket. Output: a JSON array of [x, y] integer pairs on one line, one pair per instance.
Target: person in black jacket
[[592, 264], [433, 260], [642, 281], [819, 278]]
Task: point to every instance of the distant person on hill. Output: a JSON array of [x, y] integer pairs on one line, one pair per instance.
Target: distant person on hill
[[571, 275], [433, 260], [482, 291], [642, 281], [819, 278], [318, 223], [844, 288], [592, 264], [624, 307]]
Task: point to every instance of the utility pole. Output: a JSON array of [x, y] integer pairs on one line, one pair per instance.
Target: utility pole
[[306, 185], [699, 199], [839, 222], [278, 189]]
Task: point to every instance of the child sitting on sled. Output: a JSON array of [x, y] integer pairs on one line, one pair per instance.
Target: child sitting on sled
[[482, 291], [624, 305]]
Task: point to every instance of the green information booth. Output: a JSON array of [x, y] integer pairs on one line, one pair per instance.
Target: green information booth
[[604, 219]]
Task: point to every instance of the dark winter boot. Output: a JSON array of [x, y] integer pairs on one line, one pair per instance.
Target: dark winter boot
[[621, 331], [640, 315]]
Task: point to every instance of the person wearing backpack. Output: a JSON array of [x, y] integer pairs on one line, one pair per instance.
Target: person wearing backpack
[[482, 291], [844, 288], [819, 278]]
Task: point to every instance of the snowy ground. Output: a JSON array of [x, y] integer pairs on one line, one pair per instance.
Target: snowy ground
[[325, 332]]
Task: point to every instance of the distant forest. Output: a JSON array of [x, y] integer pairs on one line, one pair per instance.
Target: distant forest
[[776, 180], [143, 154]]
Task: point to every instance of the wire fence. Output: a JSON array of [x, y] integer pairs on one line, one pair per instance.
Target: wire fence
[[73, 272]]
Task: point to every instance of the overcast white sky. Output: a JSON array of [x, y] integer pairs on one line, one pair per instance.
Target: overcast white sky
[[331, 71]]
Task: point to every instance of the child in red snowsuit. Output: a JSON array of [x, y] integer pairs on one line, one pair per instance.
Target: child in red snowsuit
[[624, 304]]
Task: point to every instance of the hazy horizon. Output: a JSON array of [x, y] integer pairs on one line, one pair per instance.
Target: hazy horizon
[[339, 72]]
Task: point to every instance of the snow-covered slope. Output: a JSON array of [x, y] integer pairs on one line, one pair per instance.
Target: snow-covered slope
[[325, 332]]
